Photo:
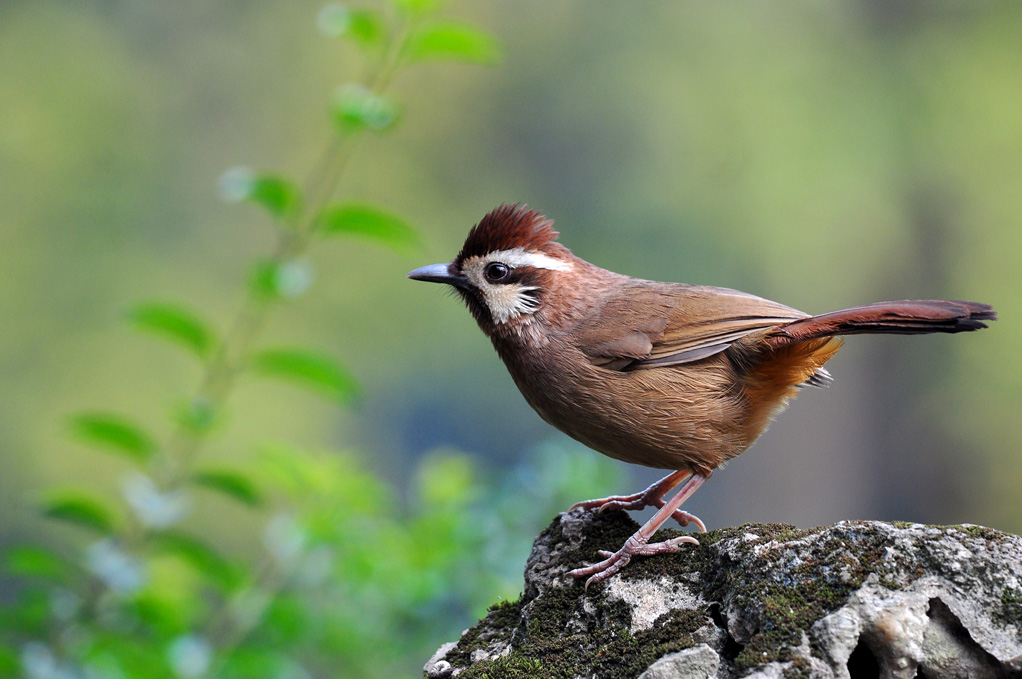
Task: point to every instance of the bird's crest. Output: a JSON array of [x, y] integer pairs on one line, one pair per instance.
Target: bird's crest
[[510, 226]]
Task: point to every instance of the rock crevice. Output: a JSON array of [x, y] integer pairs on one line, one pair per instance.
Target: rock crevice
[[851, 601]]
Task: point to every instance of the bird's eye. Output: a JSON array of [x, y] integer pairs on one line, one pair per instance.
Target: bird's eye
[[495, 272]]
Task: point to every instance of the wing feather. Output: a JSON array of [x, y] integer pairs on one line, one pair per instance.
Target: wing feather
[[644, 325]]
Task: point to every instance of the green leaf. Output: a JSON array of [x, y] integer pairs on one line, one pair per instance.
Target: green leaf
[[80, 509], [9, 663], [272, 279], [280, 196], [29, 612], [231, 483], [29, 561], [314, 370], [260, 660], [453, 41], [175, 323], [355, 108], [364, 26], [114, 653], [197, 415], [115, 433], [202, 557], [418, 6], [369, 222]]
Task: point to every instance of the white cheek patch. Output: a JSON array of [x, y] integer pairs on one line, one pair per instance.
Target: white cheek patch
[[507, 301]]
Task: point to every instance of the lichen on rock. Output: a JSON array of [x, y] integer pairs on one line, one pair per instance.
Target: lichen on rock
[[857, 599]]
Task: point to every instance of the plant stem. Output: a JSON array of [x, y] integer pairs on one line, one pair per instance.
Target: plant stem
[[233, 355], [222, 372]]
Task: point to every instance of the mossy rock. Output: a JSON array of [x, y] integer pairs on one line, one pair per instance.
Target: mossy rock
[[853, 599]]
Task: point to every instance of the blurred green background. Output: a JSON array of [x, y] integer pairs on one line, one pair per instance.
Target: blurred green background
[[820, 154]]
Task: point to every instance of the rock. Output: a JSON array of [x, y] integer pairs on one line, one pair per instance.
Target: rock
[[699, 661], [854, 600]]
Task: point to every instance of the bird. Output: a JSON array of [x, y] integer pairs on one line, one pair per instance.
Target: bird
[[666, 375]]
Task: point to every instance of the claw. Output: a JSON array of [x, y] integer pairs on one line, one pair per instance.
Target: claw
[[602, 570], [616, 502], [635, 545], [684, 518]]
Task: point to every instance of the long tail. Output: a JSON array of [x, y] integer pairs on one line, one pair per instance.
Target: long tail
[[908, 317]]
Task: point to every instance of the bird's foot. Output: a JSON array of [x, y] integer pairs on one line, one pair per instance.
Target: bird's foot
[[651, 497], [615, 561], [638, 543]]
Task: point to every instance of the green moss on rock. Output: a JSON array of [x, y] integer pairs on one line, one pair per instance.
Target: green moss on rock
[[780, 579], [1011, 608], [514, 666]]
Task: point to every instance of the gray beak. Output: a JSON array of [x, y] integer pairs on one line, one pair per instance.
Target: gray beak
[[436, 273]]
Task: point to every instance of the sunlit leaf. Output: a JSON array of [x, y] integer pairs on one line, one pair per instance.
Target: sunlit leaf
[[280, 196], [119, 569], [364, 26], [453, 40], [232, 483], [114, 433], [285, 538], [292, 469], [367, 221], [311, 369], [27, 560], [333, 19], [202, 557], [154, 506], [302, 473], [354, 107], [80, 509], [175, 323]]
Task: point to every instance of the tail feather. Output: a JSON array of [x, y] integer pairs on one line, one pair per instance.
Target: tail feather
[[907, 317]]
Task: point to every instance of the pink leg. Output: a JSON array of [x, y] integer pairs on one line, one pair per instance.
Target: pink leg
[[651, 497], [639, 542]]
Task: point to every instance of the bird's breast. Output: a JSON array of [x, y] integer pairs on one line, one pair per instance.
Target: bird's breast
[[685, 416]]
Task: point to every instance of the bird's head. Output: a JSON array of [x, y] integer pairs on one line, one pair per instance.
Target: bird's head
[[506, 270]]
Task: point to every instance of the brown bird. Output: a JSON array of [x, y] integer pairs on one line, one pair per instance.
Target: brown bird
[[666, 375]]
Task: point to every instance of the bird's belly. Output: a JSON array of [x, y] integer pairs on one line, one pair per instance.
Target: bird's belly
[[688, 416]]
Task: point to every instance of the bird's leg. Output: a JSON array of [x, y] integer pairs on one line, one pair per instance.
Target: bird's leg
[[651, 497], [639, 542]]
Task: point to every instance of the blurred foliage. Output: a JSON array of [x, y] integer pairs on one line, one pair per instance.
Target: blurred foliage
[[345, 583], [349, 584], [819, 154]]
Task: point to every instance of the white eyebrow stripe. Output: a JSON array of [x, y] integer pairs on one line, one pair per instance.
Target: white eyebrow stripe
[[521, 257]]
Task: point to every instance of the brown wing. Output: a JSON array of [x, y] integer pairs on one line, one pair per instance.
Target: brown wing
[[649, 325]]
